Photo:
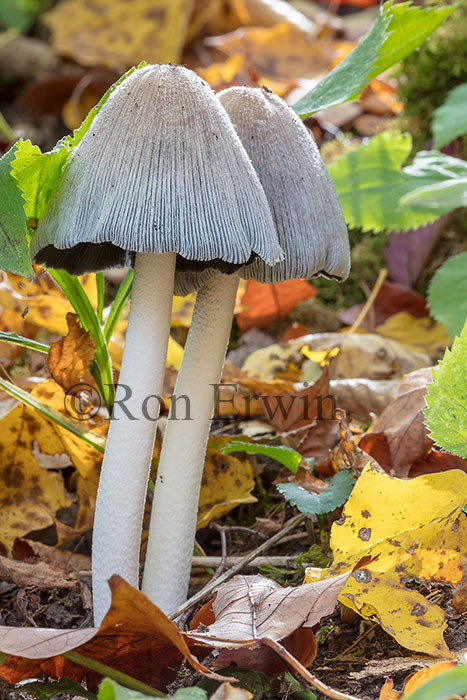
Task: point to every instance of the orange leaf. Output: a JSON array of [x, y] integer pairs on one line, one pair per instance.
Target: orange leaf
[[426, 674], [264, 303], [70, 357]]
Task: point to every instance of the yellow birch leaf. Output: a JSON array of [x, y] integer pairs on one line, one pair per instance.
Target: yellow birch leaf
[[413, 529], [118, 33], [418, 334]]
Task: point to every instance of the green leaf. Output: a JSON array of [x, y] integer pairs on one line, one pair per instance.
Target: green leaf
[[111, 690], [398, 30], [447, 296], [27, 343], [38, 174], [339, 489], [374, 187], [440, 198], [20, 14], [285, 455], [446, 411], [449, 684], [450, 120], [14, 247], [45, 690], [190, 694]]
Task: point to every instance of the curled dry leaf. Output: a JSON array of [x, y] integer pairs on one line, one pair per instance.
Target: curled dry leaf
[[135, 637], [70, 357], [250, 608]]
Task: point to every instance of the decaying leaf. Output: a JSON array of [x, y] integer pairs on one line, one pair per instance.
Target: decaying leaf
[[399, 437], [250, 608], [70, 357], [40, 574], [361, 355], [414, 529], [115, 34], [135, 637]]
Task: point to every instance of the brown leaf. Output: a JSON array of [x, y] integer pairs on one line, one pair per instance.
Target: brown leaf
[[40, 574], [70, 357], [135, 637], [401, 427], [251, 608]]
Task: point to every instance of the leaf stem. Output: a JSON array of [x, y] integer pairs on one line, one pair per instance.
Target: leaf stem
[[118, 676]]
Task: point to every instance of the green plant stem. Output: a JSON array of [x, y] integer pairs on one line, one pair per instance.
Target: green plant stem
[[88, 436], [78, 298], [118, 304], [5, 129], [15, 339], [100, 296], [118, 676]]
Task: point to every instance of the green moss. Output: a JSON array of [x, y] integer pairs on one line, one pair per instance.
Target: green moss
[[427, 75]]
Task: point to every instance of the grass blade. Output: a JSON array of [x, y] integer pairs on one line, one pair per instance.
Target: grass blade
[[15, 339], [118, 304]]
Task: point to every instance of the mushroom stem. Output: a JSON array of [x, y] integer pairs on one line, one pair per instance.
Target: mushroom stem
[[130, 441], [175, 505]]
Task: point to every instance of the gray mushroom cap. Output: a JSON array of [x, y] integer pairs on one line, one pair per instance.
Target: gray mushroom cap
[[304, 203], [161, 169]]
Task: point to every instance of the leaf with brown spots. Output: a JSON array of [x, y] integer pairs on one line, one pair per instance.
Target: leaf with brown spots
[[135, 637], [69, 358], [417, 530]]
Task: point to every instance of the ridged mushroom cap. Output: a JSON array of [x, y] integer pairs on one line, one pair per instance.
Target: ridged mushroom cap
[[161, 169], [304, 203]]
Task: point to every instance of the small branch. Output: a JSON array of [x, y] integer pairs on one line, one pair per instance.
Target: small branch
[[297, 666], [212, 562], [222, 564], [290, 525], [118, 676], [355, 643], [370, 301]]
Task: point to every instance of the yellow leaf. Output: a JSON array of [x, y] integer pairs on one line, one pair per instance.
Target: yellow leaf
[[418, 334], [117, 33], [30, 494], [182, 310], [227, 483], [413, 529], [281, 52], [426, 674]]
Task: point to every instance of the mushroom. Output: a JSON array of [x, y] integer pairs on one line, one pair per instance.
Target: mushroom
[[160, 178], [313, 235]]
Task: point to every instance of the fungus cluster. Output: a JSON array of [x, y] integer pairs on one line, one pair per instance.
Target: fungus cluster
[[196, 191]]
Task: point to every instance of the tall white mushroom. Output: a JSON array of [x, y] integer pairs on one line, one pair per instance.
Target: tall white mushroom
[[313, 235], [162, 174]]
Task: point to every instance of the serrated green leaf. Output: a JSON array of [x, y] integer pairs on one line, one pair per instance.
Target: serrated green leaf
[[38, 174], [285, 455], [446, 411], [449, 684], [450, 120], [14, 246], [339, 489], [440, 198], [447, 296], [398, 30], [374, 187]]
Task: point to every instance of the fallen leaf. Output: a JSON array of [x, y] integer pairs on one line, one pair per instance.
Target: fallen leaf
[[39, 574], [264, 303], [387, 692], [135, 637], [70, 357], [417, 334], [391, 299], [182, 310], [399, 437], [68, 562], [426, 674], [281, 52], [113, 34], [414, 529], [86, 95], [360, 397], [250, 608]]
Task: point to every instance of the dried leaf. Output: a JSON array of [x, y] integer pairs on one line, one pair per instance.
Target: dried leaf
[[39, 574], [426, 674], [251, 608], [135, 637], [70, 357], [114, 34]]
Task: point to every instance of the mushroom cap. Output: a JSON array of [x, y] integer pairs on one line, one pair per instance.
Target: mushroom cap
[[160, 169], [304, 203]]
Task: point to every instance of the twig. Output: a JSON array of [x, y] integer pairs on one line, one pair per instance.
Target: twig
[[290, 525], [119, 676], [355, 643], [370, 301], [297, 666], [211, 562], [222, 564], [246, 530]]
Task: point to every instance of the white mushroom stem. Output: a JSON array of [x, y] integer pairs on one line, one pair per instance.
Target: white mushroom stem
[[175, 505], [130, 442]]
